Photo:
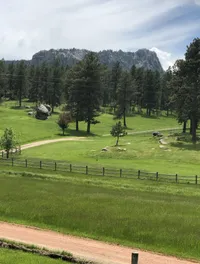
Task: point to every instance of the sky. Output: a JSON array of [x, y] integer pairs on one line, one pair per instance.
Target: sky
[[164, 26]]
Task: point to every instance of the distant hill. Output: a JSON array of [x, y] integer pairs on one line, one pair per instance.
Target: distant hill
[[141, 58]]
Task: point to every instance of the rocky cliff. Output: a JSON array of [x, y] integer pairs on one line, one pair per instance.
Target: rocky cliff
[[141, 58]]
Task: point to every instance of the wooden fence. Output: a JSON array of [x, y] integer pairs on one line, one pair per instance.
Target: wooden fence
[[98, 171]]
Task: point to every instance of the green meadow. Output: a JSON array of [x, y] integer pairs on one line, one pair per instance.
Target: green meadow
[[149, 215], [155, 216]]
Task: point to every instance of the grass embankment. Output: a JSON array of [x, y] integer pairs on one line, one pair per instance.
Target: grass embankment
[[149, 215], [8, 256]]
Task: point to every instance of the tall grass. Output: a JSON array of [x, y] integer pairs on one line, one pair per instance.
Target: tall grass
[[164, 218]]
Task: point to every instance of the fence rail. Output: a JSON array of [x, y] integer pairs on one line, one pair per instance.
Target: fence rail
[[98, 171]]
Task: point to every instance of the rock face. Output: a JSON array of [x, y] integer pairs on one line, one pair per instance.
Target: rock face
[[141, 58], [42, 112]]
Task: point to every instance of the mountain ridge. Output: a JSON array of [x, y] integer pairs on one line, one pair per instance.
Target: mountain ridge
[[142, 58]]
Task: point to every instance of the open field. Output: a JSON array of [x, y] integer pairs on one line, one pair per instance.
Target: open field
[[143, 152], [148, 215], [28, 129], [8, 256]]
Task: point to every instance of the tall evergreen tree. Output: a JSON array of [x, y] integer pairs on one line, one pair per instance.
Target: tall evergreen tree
[[56, 86], [74, 93], [2, 78], [91, 88], [44, 83], [186, 78], [167, 91], [138, 77], [125, 94], [149, 92], [11, 81], [20, 81], [115, 80], [34, 93]]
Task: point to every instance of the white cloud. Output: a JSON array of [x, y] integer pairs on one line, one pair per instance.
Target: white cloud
[[166, 58], [28, 26]]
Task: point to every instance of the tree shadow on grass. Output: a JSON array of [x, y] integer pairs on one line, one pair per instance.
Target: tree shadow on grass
[[150, 117], [17, 107], [74, 133], [188, 146]]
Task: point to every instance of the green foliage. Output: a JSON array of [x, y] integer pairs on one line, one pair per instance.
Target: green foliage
[[186, 79], [118, 131], [64, 120], [84, 90], [74, 94], [125, 92], [115, 80], [2, 79], [20, 86], [8, 141]]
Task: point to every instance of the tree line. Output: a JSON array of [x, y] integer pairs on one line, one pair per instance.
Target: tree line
[[89, 85]]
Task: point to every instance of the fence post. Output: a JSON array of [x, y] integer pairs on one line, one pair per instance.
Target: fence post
[[86, 170], [55, 165], [196, 179], [156, 176], [120, 173], [138, 174], [103, 171], [70, 167], [134, 258], [40, 164], [12, 162], [176, 178], [26, 162]]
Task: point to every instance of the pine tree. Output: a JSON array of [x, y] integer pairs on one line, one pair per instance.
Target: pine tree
[[186, 78], [138, 77], [2, 78], [118, 131], [167, 91], [56, 87], [74, 93], [44, 83], [20, 81], [34, 92], [115, 79], [11, 81], [149, 92], [91, 89], [125, 94]]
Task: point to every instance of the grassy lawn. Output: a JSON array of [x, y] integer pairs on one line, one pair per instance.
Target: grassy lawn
[[26, 127], [142, 152], [8, 256], [149, 215], [29, 129]]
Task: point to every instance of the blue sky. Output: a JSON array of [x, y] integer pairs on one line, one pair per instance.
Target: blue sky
[[165, 26]]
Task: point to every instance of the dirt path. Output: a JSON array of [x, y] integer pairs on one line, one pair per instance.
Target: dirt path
[[85, 248], [49, 141]]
